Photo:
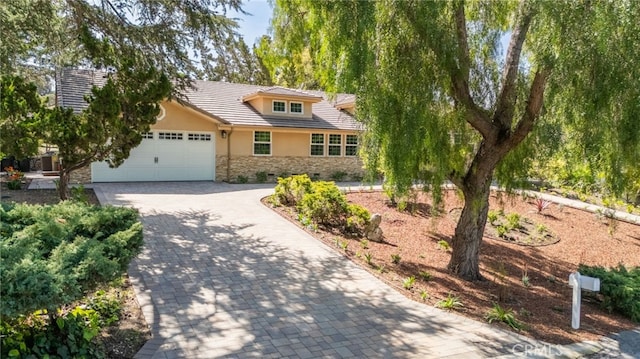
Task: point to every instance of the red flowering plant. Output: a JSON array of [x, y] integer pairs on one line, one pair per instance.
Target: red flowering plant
[[14, 177]]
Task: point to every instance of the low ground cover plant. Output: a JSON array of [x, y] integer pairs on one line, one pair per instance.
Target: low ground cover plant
[[619, 289], [51, 257]]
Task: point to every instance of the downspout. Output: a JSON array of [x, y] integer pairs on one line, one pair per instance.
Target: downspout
[[229, 156]]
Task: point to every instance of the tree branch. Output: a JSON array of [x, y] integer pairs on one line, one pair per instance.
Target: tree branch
[[532, 111], [475, 116], [507, 98]]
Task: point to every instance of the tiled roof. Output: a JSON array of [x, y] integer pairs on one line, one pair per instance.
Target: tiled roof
[[282, 91], [74, 85], [222, 100]]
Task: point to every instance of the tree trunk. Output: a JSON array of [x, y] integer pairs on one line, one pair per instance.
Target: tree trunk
[[63, 185], [468, 235]]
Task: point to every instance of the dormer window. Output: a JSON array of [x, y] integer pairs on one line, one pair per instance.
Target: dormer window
[[295, 107], [279, 106]]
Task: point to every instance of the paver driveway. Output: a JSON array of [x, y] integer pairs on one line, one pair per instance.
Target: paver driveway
[[223, 276]]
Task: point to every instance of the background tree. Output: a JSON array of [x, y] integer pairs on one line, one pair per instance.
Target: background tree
[[19, 116], [155, 48], [440, 103], [293, 69]]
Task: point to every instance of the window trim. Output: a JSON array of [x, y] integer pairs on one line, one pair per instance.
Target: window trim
[[338, 145], [347, 144], [324, 144], [273, 103], [297, 103], [270, 143]]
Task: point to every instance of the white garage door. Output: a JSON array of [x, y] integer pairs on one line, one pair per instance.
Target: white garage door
[[164, 156]]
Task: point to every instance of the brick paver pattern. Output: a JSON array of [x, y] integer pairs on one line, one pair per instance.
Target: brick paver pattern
[[221, 275]]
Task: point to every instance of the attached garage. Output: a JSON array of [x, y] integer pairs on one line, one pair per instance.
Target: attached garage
[[164, 156]]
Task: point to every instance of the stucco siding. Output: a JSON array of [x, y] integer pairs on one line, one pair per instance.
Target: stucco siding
[[180, 118]]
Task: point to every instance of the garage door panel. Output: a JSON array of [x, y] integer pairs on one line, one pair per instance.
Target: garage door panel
[[164, 159]]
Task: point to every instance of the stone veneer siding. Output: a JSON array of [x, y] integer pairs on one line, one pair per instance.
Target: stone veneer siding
[[320, 167], [81, 175]]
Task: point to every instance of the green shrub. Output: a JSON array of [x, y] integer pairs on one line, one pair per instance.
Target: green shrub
[[290, 190], [242, 179], [620, 289], [324, 204], [358, 218], [53, 255], [70, 335], [261, 177]]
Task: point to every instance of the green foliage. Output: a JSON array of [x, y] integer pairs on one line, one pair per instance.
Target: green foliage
[[290, 190], [20, 113], [368, 258], [502, 231], [358, 218], [424, 295], [620, 288], [513, 221], [338, 176], [364, 244], [438, 105], [507, 316], [53, 255], [70, 335], [108, 307], [492, 216], [78, 193], [395, 258], [324, 204], [443, 245], [541, 228], [261, 177], [408, 282], [242, 179], [451, 302], [425, 276], [344, 245]]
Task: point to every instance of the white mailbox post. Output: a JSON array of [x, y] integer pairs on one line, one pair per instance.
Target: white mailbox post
[[579, 282]]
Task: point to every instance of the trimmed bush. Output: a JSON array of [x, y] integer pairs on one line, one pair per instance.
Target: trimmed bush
[[289, 191], [324, 204], [619, 287]]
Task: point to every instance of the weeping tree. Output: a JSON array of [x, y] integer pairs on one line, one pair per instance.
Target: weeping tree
[[443, 100]]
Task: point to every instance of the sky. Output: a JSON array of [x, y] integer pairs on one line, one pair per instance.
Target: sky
[[253, 26]]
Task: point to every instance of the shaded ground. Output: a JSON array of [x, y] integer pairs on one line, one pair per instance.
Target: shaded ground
[[123, 339], [542, 301]]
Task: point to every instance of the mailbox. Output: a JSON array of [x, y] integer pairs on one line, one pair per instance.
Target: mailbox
[[579, 282]]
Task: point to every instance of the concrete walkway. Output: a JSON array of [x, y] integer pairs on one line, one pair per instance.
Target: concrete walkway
[[223, 276]]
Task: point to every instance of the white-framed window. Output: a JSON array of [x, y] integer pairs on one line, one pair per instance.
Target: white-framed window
[[335, 145], [351, 145], [262, 143], [147, 135], [317, 144], [199, 137], [279, 106], [296, 107], [169, 136]]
